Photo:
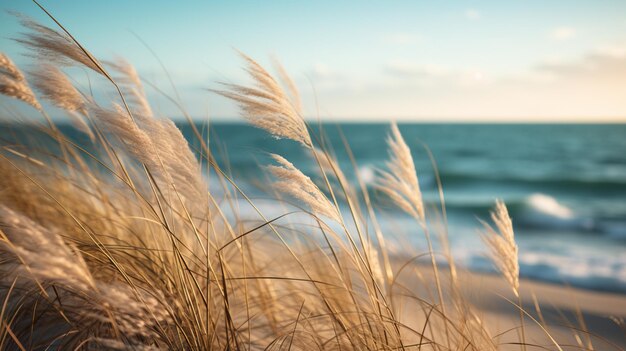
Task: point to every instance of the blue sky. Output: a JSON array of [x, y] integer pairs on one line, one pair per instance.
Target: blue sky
[[423, 60]]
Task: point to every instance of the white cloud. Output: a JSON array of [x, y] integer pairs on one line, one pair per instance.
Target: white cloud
[[321, 70], [409, 73], [472, 15], [589, 88], [408, 68], [586, 88], [324, 76], [562, 33], [472, 77], [602, 65], [400, 38], [612, 50]]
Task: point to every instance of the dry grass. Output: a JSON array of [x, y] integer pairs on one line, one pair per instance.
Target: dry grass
[[132, 251], [268, 106], [13, 83], [502, 245]]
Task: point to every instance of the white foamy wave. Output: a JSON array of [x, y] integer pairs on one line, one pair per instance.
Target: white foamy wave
[[366, 174], [583, 270], [548, 205]]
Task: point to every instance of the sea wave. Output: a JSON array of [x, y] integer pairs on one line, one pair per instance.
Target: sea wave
[[590, 272], [540, 211], [548, 205], [580, 184], [538, 203]]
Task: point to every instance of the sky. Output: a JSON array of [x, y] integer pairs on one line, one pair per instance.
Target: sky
[[559, 60]]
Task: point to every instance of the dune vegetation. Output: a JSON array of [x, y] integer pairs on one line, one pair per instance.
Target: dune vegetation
[[130, 247]]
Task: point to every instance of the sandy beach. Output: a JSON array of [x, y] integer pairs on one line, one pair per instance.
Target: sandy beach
[[559, 310], [559, 306]]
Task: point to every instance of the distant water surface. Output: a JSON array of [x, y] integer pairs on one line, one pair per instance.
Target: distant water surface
[[564, 185]]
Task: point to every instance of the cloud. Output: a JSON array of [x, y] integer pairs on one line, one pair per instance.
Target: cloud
[[407, 68], [612, 50], [410, 74], [324, 76], [604, 62], [562, 33], [400, 38], [472, 15], [321, 70], [589, 88]]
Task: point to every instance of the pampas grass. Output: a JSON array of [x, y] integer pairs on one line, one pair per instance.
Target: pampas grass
[[400, 182], [13, 83], [267, 106], [502, 245], [50, 45], [294, 182], [504, 253], [40, 253], [132, 86], [128, 248], [55, 87]]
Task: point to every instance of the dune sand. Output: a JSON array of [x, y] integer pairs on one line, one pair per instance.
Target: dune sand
[[560, 309]]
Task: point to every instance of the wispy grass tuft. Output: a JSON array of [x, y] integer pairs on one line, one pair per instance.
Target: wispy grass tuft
[[55, 87], [267, 106], [13, 83], [292, 181], [400, 182], [502, 245]]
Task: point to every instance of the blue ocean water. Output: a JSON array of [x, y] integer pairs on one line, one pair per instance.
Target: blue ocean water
[[564, 185]]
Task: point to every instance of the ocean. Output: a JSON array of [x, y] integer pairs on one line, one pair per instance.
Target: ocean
[[564, 185]]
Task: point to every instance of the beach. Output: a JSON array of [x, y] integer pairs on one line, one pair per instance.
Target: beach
[[560, 310], [557, 304]]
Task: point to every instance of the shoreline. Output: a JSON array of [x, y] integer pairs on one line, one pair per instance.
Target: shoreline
[[563, 296], [561, 309]]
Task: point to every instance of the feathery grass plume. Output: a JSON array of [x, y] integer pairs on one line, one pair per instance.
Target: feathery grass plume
[[502, 245], [172, 146], [400, 182], [289, 83], [504, 254], [50, 45], [267, 106], [112, 344], [169, 143], [55, 87], [40, 257], [40, 253], [13, 83], [374, 262], [293, 182], [159, 145], [136, 313], [136, 141], [132, 86]]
